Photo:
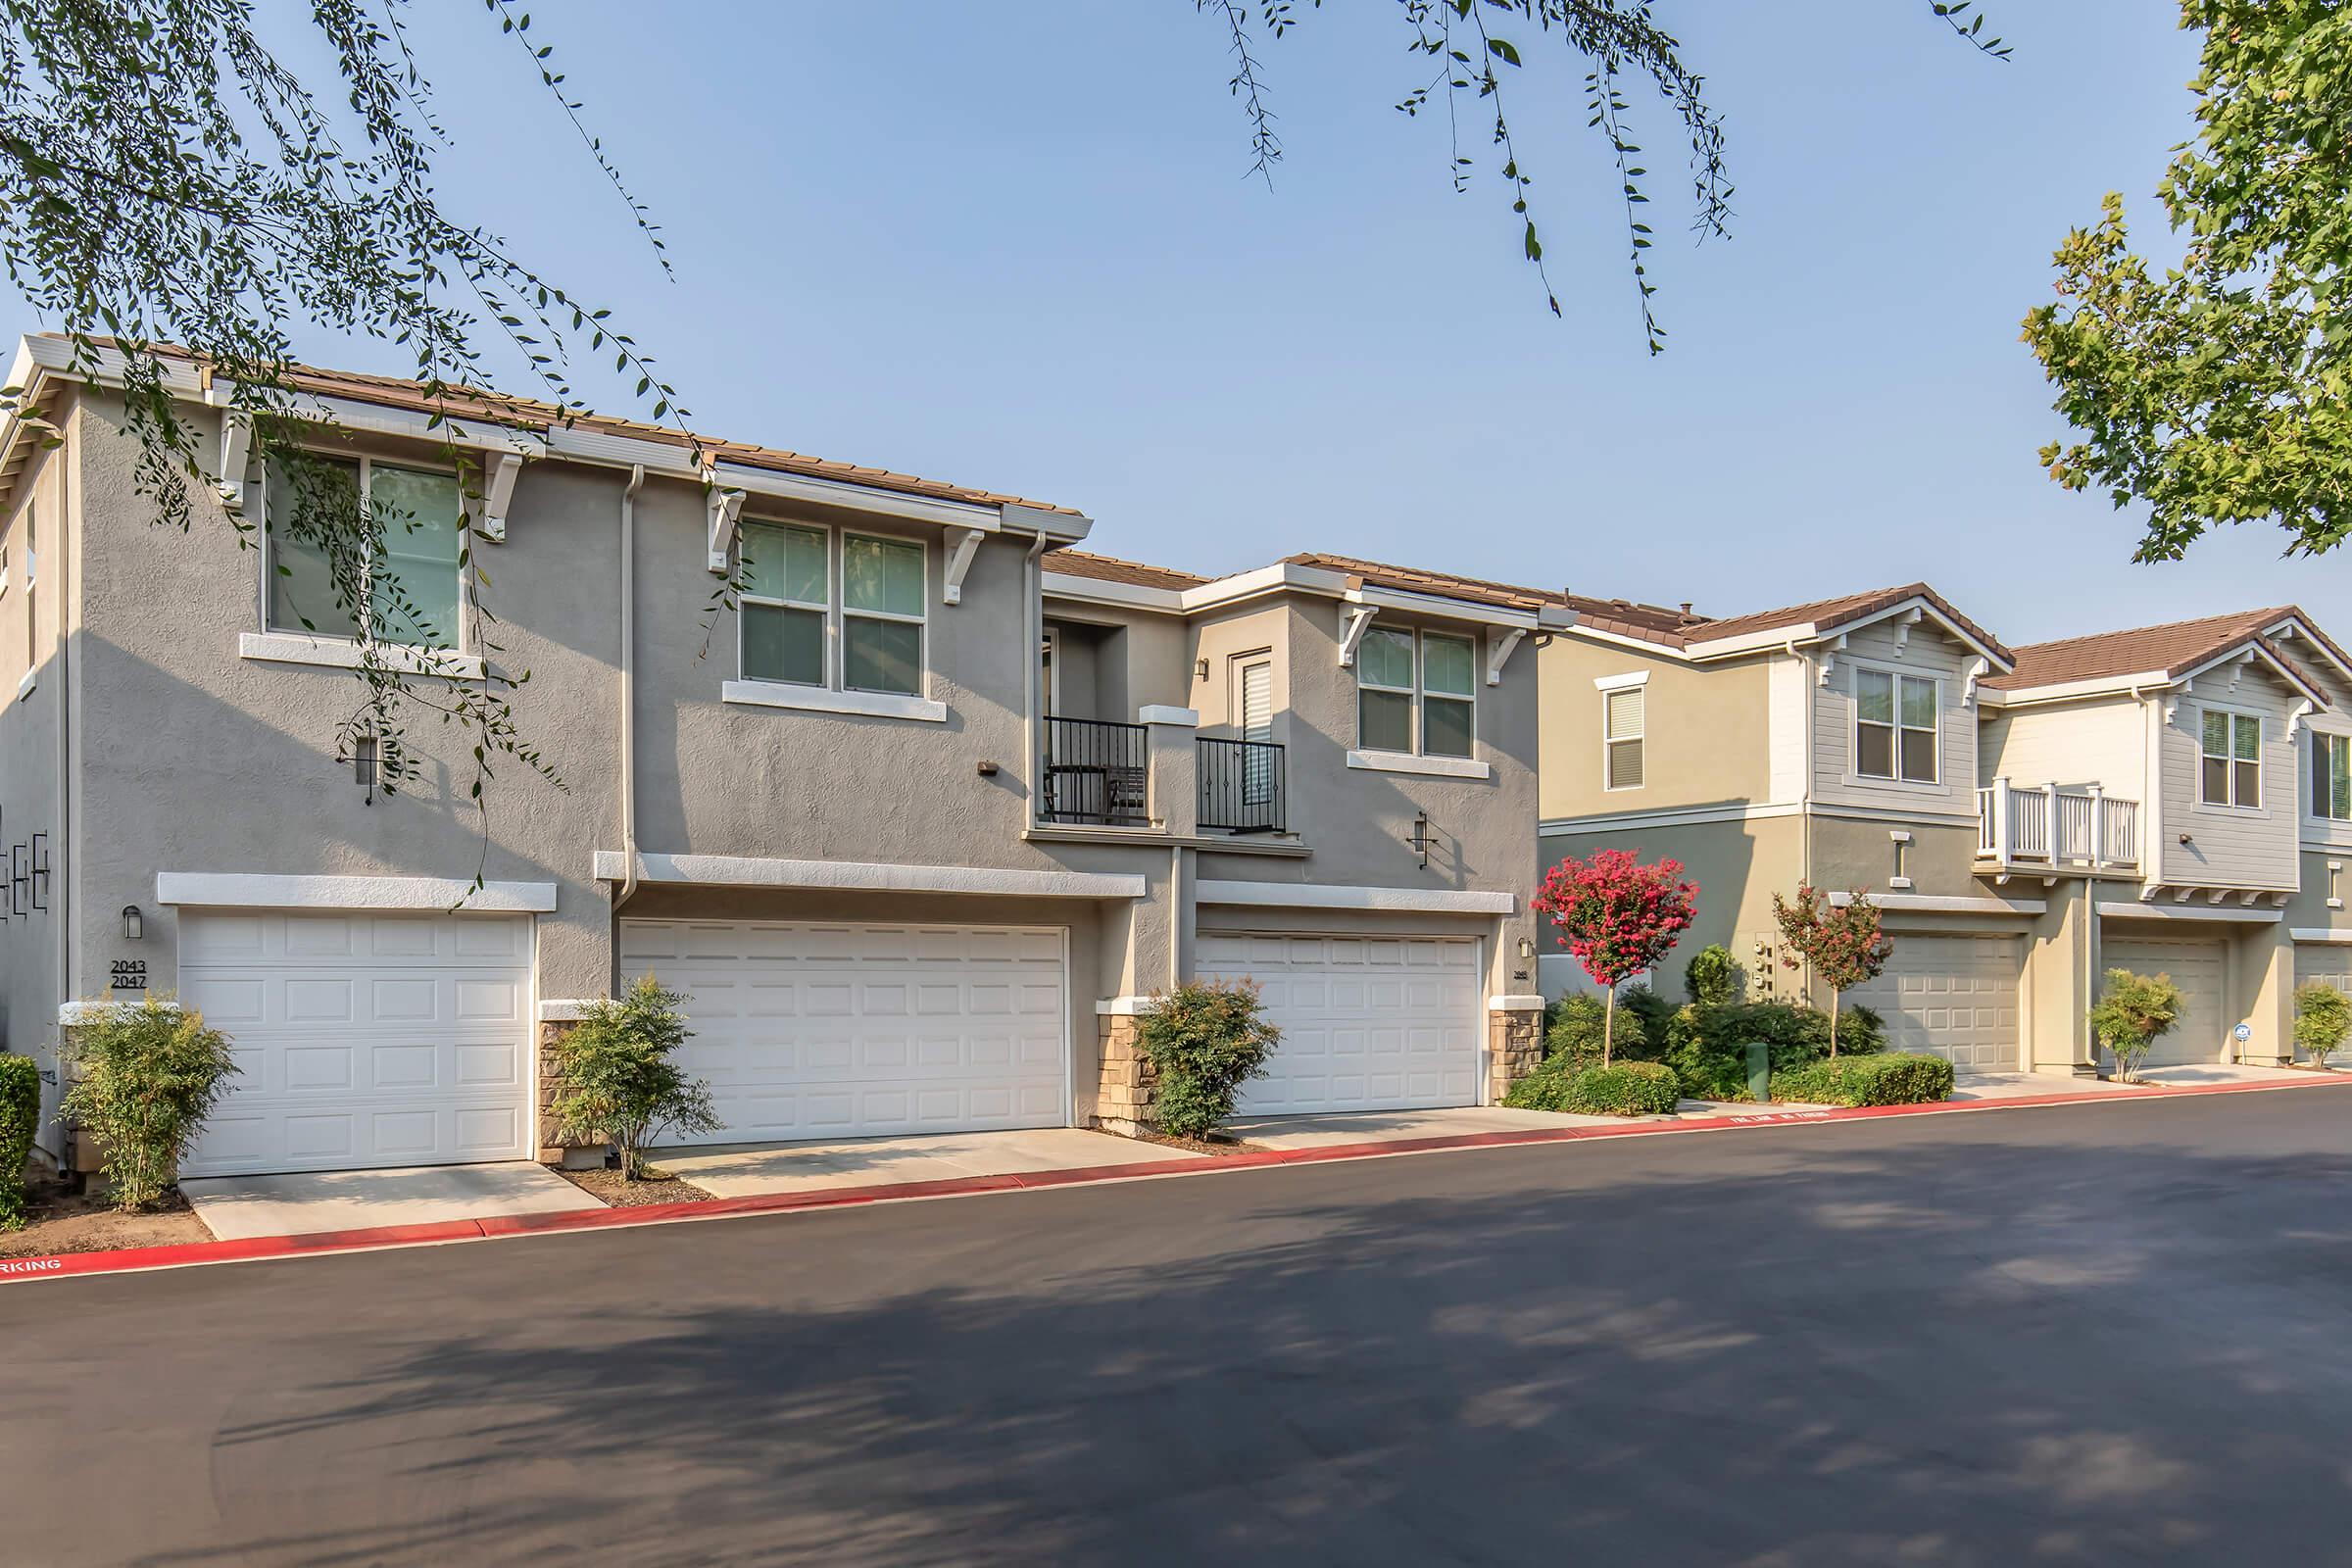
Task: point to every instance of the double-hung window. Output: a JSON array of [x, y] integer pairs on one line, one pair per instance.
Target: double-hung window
[[411, 591], [2230, 770], [831, 609], [1624, 724], [1895, 726], [2331, 776], [1417, 692]]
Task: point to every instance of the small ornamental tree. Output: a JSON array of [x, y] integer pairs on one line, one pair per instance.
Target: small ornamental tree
[[2131, 1014], [2322, 1018], [1840, 943], [1617, 917]]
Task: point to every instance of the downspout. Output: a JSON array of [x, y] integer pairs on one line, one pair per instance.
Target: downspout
[[1804, 792], [1033, 622], [68, 528], [629, 687]]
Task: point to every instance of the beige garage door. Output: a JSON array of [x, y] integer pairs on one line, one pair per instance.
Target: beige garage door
[[1951, 996], [2198, 968]]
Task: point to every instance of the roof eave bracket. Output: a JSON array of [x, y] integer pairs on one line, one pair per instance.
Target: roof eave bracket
[[1499, 655], [236, 451], [498, 493], [726, 511], [960, 561], [1352, 635]]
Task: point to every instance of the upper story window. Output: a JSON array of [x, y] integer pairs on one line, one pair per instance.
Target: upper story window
[[2231, 770], [1623, 723], [2331, 776], [412, 591], [1417, 692], [797, 629], [1896, 726]]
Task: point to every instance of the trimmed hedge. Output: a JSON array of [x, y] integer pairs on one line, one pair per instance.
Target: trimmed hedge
[[20, 1120], [1891, 1078], [1622, 1088]]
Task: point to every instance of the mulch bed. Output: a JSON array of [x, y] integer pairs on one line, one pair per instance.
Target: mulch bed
[[59, 1220], [1219, 1143], [654, 1187]]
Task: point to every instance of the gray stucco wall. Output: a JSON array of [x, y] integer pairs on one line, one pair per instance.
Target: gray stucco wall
[[32, 641]]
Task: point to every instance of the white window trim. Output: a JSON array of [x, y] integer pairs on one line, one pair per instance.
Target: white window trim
[[1416, 762], [2262, 782], [834, 695], [2311, 809], [1853, 733], [342, 653], [274, 635], [1419, 695], [1639, 740]]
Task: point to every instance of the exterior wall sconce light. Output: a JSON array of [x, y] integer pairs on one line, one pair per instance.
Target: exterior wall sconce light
[[364, 765], [1420, 838], [1200, 669], [133, 927], [1527, 950]]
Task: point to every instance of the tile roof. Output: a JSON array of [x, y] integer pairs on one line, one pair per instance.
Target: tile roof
[[1625, 617], [1827, 614], [1111, 569], [473, 403], [2170, 650], [1413, 580]]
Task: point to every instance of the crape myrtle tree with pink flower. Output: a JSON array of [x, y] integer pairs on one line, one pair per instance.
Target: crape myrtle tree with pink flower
[[1841, 943], [1617, 916]]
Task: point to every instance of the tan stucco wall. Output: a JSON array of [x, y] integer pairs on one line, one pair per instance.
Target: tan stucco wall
[[1707, 730]]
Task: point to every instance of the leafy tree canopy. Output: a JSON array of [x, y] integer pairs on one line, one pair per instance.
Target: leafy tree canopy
[[2218, 389]]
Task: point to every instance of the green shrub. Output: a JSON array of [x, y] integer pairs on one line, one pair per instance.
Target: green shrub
[[1204, 1041], [2133, 1014], [1621, 1089], [148, 1076], [1890, 1078], [2322, 1018], [616, 1079], [20, 1120], [1713, 977]]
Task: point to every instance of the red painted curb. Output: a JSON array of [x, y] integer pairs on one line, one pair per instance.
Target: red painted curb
[[377, 1237]]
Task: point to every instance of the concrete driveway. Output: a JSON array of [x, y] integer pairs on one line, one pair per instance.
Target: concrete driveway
[[234, 1207], [748, 1170]]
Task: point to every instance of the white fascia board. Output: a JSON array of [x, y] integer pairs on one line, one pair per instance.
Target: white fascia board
[[1439, 607], [1772, 639], [2250, 648], [1067, 526], [2321, 933], [1670, 817], [2145, 682], [1121, 595], [412, 425], [1314, 896], [1586, 632], [1810, 631], [235, 890], [2198, 913], [866, 876], [1940, 904], [1225, 592], [856, 497], [2292, 625], [613, 450]]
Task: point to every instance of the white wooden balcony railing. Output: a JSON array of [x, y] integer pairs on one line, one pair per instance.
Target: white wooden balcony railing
[[2016, 825]]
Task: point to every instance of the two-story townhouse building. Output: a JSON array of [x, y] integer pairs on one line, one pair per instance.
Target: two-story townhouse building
[[917, 825], [2025, 818]]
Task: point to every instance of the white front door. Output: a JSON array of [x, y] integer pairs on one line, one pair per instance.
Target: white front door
[[1368, 1023], [1950, 997], [2199, 969], [363, 1040], [855, 1030]]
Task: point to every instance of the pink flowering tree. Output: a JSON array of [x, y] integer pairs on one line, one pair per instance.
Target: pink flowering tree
[[1617, 917], [1841, 942]]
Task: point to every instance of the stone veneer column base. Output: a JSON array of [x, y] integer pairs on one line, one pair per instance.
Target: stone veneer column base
[[551, 1139], [1514, 1048], [1123, 1096]]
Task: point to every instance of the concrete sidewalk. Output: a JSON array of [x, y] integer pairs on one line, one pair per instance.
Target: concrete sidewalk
[[748, 1170], [237, 1207]]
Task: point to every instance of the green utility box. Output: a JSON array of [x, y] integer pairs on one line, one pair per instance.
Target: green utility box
[[1759, 1071]]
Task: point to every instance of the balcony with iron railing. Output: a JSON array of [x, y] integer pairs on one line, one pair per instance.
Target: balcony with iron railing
[[1096, 773], [2052, 829], [1242, 786], [1107, 773]]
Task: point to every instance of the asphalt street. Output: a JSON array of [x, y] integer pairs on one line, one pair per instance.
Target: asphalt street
[[2101, 1334]]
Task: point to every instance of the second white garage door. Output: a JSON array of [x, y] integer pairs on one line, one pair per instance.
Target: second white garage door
[[1952, 997], [835, 1030], [1368, 1023], [2196, 968]]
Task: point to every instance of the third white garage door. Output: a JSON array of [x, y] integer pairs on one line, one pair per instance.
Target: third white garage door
[[2196, 968], [1954, 997], [838, 1030], [1368, 1023]]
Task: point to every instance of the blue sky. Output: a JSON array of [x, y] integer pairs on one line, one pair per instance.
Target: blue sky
[[1015, 249]]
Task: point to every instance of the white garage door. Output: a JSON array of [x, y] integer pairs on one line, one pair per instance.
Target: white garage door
[[823, 1030], [363, 1040], [1952, 997], [1368, 1023], [2196, 968]]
